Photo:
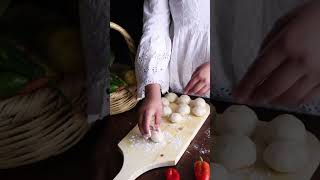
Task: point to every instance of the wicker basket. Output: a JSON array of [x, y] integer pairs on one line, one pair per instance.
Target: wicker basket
[[125, 99], [42, 124]]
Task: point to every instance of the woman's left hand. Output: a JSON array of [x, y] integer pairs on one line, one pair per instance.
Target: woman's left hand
[[287, 71], [200, 81]]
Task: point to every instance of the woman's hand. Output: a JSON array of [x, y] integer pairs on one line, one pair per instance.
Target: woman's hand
[[150, 109], [287, 71], [200, 81]]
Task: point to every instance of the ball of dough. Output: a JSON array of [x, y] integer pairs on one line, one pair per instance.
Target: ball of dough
[[199, 111], [219, 172], [183, 109], [198, 102], [286, 127], [236, 119], [157, 136], [286, 157], [184, 99], [172, 97], [167, 111], [234, 151], [175, 117], [165, 101]]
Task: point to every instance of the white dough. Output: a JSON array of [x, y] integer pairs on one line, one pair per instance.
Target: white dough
[[198, 102], [218, 172], [157, 136], [172, 97], [167, 111], [234, 151], [183, 109], [175, 117], [286, 157], [199, 111], [184, 99], [165, 101], [236, 119], [285, 127]]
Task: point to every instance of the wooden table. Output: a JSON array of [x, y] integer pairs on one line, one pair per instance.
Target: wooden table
[[312, 123], [97, 156]]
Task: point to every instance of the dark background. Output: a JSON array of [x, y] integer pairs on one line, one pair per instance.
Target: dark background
[[129, 15]]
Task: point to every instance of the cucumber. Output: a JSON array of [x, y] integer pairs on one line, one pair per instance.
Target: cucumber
[[11, 83], [15, 60]]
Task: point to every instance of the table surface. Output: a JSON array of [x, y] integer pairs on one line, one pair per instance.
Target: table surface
[[97, 156]]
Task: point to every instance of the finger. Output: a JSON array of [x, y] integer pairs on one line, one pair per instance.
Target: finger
[[190, 85], [146, 124], [157, 121], [295, 94], [278, 28], [278, 82], [204, 90], [140, 124], [311, 95], [258, 72], [197, 87]]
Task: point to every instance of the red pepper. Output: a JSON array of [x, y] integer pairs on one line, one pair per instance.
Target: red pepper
[[202, 170], [172, 174]]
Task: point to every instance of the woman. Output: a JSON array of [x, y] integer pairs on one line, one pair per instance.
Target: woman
[[174, 53]]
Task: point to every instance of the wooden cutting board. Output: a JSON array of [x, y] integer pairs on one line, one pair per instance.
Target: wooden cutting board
[[260, 171], [142, 155]]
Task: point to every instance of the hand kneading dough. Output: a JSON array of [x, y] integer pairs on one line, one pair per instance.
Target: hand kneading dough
[[286, 157], [167, 111], [285, 127], [165, 101], [199, 111], [184, 99], [236, 119], [172, 97], [157, 136], [183, 109], [218, 172], [175, 117], [198, 102], [234, 151]]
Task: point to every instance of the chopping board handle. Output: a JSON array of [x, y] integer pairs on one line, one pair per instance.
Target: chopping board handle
[[129, 171]]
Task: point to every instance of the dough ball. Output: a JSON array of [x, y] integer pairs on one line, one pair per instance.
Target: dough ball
[[157, 136], [165, 101], [175, 117], [199, 111], [167, 111], [286, 157], [198, 102], [172, 97], [183, 109], [234, 151], [219, 172], [237, 119], [184, 99], [285, 127]]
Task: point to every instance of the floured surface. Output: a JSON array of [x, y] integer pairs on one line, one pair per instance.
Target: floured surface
[[142, 155], [261, 172]]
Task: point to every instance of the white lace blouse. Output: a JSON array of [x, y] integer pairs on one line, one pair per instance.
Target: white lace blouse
[[175, 41]]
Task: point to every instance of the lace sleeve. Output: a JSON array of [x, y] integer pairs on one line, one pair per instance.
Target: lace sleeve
[[154, 50]]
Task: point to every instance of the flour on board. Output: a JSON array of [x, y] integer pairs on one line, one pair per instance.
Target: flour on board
[[137, 141]]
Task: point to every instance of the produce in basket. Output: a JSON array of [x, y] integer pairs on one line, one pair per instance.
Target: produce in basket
[[116, 83], [11, 83]]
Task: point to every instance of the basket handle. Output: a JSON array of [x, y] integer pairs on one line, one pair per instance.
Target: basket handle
[[127, 38]]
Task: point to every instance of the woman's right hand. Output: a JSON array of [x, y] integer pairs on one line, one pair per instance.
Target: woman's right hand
[[150, 109]]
